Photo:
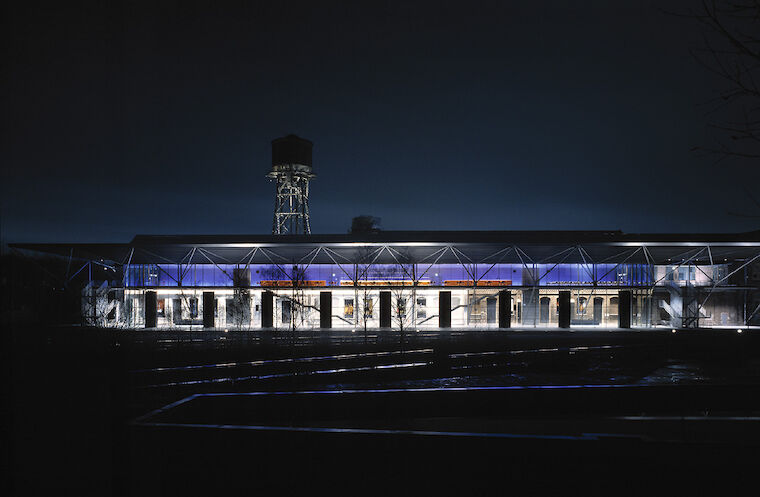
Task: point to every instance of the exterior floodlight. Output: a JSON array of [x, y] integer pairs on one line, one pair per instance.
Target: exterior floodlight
[[739, 330], [673, 330]]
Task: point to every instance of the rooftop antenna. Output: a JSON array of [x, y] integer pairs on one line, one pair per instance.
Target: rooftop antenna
[[291, 171]]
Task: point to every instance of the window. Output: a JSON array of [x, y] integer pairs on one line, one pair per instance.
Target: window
[[582, 303], [230, 310], [193, 307], [161, 303], [152, 275], [687, 273], [369, 307], [348, 308], [286, 308], [622, 274], [401, 307], [421, 311]]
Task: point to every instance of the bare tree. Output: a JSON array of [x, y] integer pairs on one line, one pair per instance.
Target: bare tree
[[299, 308], [364, 311], [404, 294], [369, 302], [731, 50], [98, 308], [402, 307], [362, 284], [241, 309], [241, 298]]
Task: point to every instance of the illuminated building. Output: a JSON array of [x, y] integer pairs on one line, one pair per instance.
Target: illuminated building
[[423, 280]]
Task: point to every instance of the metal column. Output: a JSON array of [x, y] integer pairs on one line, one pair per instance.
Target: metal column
[[564, 309], [385, 309], [267, 309], [208, 309], [624, 309], [325, 310], [444, 309], [505, 309], [151, 309]]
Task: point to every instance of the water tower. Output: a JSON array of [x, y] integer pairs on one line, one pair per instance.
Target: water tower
[[291, 170]]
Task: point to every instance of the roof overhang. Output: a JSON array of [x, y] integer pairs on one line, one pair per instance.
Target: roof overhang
[[482, 247]]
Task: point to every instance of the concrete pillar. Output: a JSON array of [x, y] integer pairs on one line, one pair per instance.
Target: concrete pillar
[[151, 309], [444, 309], [325, 310], [385, 309], [564, 309], [208, 309], [267, 309], [624, 309], [505, 309]]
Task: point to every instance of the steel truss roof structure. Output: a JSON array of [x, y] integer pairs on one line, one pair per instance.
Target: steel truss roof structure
[[415, 247], [421, 251]]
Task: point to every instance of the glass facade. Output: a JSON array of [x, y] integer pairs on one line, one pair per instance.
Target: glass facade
[[660, 295], [330, 275]]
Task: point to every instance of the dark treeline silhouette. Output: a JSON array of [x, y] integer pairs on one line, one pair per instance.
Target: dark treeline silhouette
[[41, 290], [365, 224]]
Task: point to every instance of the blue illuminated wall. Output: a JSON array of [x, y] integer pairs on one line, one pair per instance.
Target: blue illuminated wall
[[209, 275]]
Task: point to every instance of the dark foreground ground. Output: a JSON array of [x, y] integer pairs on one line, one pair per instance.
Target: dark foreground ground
[[143, 413]]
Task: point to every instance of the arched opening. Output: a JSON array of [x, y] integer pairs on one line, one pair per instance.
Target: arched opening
[[598, 308], [544, 309]]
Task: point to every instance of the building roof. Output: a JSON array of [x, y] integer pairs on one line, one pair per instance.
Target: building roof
[[420, 247]]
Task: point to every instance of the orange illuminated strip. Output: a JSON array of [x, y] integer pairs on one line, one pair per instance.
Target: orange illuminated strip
[[480, 283], [384, 283], [289, 283]]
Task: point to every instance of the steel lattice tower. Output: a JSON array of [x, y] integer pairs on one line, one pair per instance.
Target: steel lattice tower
[[291, 171]]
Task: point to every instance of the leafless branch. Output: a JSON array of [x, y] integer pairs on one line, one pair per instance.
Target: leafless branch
[[731, 51]]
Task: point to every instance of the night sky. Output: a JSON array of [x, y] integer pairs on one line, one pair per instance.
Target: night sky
[[146, 118]]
